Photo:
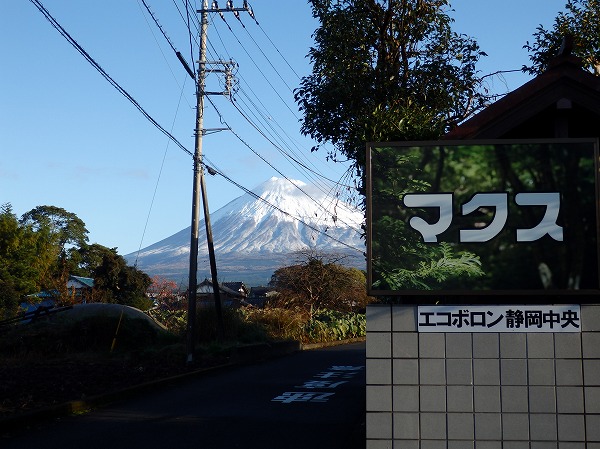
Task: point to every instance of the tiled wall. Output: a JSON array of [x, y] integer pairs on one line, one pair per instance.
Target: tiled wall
[[481, 390]]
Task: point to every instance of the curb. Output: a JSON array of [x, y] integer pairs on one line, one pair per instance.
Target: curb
[[309, 346], [239, 356]]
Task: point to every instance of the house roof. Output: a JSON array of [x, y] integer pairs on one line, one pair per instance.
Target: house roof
[[565, 91], [236, 286], [256, 292], [206, 287], [80, 282]]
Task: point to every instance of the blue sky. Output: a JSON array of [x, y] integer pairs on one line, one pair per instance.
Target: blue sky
[[69, 139]]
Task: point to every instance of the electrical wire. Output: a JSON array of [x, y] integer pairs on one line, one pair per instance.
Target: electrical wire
[[213, 52], [279, 171], [268, 60], [121, 90], [261, 72], [299, 164], [158, 25], [159, 46], [281, 150], [268, 117], [277, 49], [106, 76], [258, 197], [158, 178]]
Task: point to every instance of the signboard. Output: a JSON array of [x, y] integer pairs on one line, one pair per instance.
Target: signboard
[[506, 318], [481, 217]]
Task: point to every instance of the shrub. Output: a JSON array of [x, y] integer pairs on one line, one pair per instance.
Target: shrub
[[331, 325], [235, 326], [279, 323], [296, 324]]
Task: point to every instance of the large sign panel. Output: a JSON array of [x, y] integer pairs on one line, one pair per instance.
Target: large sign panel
[[477, 217]]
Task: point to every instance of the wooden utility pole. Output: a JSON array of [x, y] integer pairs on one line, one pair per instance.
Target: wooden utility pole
[[199, 186]]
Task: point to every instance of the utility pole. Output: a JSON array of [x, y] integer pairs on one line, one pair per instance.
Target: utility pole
[[199, 185]]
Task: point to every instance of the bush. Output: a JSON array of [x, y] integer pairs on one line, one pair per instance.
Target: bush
[[296, 324], [249, 325], [331, 325], [279, 323], [236, 327], [174, 320]]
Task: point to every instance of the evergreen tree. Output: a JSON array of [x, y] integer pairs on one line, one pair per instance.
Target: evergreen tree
[[386, 71], [578, 26]]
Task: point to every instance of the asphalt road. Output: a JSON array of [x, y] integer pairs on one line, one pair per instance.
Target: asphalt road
[[311, 399]]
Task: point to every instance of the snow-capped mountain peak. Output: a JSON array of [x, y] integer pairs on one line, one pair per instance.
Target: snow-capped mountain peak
[[277, 218]]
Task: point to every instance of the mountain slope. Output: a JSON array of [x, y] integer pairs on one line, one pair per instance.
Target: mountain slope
[[253, 238]]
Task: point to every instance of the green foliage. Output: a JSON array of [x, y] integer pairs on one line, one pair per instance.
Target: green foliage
[[174, 320], [430, 274], [39, 252], [581, 21], [330, 325], [296, 324], [386, 71], [119, 282], [400, 260], [65, 228], [236, 327], [279, 323], [24, 260]]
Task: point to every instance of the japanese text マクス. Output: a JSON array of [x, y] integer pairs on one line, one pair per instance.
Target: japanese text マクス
[[498, 201]]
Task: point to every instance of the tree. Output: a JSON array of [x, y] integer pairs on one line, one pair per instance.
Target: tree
[[62, 233], [118, 282], [66, 228], [165, 294], [26, 258], [318, 281], [17, 271], [390, 70], [386, 71], [580, 25]]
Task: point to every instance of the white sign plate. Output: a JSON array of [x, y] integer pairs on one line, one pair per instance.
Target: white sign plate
[[499, 318]]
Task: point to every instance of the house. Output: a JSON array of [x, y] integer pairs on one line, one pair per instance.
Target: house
[[239, 287], [260, 295], [80, 288], [229, 297], [79, 291], [562, 102]]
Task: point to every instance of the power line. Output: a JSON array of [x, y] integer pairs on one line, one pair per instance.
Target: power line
[[277, 49], [106, 76], [123, 92], [277, 170], [268, 120], [278, 147], [294, 159], [261, 72], [283, 152], [260, 198], [158, 179], [177, 53]]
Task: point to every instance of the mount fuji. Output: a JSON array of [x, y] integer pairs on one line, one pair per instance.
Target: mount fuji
[[259, 232]]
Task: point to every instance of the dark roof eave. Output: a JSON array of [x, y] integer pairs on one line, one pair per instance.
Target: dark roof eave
[[565, 78]]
